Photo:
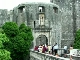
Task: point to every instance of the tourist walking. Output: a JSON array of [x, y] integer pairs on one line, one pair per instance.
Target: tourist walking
[[40, 49], [43, 49], [71, 52], [36, 48], [65, 50], [46, 48], [55, 48], [49, 49], [52, 49]]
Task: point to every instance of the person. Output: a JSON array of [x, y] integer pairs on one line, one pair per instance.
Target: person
[[49, 49], [43, 49], [65, 50], [52, 49], [40, 49], [36, 48], [46, 48], [71, 52], [57, 55], [55, 48]]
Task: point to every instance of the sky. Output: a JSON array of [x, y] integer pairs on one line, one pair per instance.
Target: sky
[[10, 4]]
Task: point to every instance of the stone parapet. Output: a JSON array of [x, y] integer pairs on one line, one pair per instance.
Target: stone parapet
[[76, 54], [34, 55]]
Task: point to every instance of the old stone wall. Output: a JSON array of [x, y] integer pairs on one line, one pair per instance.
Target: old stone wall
[[64, 23], [5, 16], [68, 20], [77, 9]]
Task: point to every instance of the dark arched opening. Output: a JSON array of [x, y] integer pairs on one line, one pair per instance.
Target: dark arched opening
[[41, 40]]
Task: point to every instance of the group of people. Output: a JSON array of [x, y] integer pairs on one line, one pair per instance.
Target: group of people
[[41, 48], [47, 49], [70, 51], [53, 49]]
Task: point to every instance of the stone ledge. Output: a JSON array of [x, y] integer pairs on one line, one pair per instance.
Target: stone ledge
[[34, 55]]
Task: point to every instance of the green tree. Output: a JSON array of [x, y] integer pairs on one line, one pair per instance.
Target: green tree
[[26, 33], [11, 29], [20, 40], [77, 40], [4, 54]]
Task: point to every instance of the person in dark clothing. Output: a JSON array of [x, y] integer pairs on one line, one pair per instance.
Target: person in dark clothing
[[65, 50], [52, 49], [43, 49], [36, 48]]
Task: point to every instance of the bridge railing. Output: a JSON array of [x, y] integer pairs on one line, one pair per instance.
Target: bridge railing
[[34, 55]]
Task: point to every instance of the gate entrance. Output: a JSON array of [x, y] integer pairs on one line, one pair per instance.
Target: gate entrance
[[41, 40]]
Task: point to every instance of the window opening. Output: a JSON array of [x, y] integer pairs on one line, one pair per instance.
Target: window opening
[[55, 9]]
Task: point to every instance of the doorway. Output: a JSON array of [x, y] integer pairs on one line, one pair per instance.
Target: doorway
[[41, 40]]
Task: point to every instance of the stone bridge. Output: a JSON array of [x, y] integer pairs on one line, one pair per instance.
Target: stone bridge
[[34, 55]]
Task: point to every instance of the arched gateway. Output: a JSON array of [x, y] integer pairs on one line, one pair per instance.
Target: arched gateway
[[41, 35], [41, 40]]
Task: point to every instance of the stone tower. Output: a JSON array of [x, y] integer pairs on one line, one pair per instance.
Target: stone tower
[[44, 20]]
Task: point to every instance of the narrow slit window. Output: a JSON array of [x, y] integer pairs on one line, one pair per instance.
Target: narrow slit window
[[34, 24]]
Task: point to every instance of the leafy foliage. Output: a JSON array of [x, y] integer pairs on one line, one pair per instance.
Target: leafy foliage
[[77, 40], [11, 29], [20, 40], [4, 54]]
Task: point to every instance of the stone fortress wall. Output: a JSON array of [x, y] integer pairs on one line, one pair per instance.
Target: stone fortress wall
[[58, 17], [70, 19]]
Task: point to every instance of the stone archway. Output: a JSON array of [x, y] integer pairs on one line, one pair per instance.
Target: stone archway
[[41, 40]]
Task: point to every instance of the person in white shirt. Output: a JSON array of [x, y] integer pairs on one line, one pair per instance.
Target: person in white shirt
[[55, 48], [49, 49], [71, 52], [40, 49], [65, 50]]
